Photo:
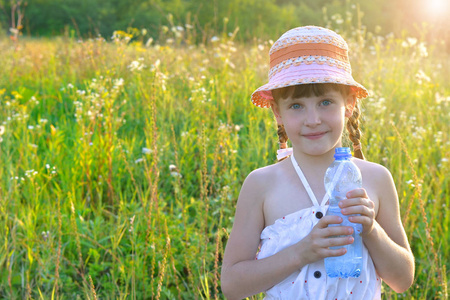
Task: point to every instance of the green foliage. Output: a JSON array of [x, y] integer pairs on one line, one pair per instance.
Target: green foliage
[[123, 162], [265, 19]]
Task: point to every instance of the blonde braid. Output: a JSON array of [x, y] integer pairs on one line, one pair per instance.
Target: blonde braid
[[354, 132], [282, 138]]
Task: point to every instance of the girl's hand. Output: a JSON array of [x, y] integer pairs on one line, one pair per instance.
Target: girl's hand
[[315, 246], [358, 202]]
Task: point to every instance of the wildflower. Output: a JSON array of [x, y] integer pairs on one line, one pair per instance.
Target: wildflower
[[136, 66], [45, 235], [214, 39], [147, 151], [411, 41], [118, 82], [155, 65], [2, 129], [131, 224], [138, 160], [149, 42], [421, 77], [70, 86], [174, 171], [422, 50]]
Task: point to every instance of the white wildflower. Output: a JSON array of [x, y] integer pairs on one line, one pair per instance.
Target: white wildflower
[[136, 66], [149, 42], [147, 151], [411, 41], [138, 160], [423, 52], [214, 39], [118, 82]]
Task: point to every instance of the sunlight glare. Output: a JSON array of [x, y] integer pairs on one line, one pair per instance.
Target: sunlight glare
[[436, 7]]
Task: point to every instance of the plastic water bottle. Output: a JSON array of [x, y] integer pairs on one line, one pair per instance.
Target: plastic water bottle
[[341, 177]]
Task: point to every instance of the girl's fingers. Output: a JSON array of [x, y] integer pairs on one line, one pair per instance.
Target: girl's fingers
[[338, 241], [357, 193], [333, 231], [327, 220], [360, 209], [356, 201]]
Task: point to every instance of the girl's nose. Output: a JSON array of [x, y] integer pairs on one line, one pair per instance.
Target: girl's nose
[[312, 118]]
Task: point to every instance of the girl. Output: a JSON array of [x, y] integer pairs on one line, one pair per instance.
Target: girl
[[311, 92]]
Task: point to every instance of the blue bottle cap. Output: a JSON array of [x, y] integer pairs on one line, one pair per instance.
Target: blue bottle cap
[[342, 153]]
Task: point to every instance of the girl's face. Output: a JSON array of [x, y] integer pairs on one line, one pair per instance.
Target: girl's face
[[314, 124]]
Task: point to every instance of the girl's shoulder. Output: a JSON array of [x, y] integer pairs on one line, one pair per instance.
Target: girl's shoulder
[[379, 175], [265, 180], [264, 176], [369, 167]]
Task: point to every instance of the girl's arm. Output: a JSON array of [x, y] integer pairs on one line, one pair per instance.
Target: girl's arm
[[242, 275], [384, 236]]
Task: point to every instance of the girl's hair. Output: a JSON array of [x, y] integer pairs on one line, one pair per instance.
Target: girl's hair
[[318, 89]]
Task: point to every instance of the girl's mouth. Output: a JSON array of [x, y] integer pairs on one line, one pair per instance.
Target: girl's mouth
[[314, 135]]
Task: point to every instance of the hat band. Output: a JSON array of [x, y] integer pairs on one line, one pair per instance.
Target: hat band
[[308, 60], [315, 49]]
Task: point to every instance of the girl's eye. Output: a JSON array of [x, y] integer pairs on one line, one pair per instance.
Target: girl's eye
[[295, 106], [326, 102]]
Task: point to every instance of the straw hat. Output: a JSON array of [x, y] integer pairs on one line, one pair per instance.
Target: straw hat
[[305, 55]]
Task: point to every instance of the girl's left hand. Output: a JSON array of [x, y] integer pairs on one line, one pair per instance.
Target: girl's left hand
[[358, 202]]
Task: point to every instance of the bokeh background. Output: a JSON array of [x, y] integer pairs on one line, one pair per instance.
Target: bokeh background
[[126, 131]]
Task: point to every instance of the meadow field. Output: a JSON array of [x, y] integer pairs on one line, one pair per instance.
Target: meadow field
[[121, 162]]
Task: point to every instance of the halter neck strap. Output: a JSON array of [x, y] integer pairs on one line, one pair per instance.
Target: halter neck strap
[[306, 184]]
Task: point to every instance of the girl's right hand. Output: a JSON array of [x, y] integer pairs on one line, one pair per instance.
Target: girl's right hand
[[315, 246]]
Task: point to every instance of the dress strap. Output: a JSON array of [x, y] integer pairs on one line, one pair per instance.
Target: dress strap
[[306, 184]]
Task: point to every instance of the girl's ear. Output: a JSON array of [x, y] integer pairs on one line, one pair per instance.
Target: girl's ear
[[276, 111], [350, 105]]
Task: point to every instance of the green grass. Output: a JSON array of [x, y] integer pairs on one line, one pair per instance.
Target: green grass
[[121, 164]]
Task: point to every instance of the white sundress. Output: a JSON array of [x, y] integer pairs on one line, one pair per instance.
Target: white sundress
[[312, 282]]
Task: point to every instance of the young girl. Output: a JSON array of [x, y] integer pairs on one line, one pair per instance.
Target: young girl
[[311, 92]]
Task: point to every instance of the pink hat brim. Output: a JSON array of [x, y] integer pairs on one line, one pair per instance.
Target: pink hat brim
[[306, 74]]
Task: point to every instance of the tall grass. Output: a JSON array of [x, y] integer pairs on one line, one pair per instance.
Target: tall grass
[[121, 164]]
